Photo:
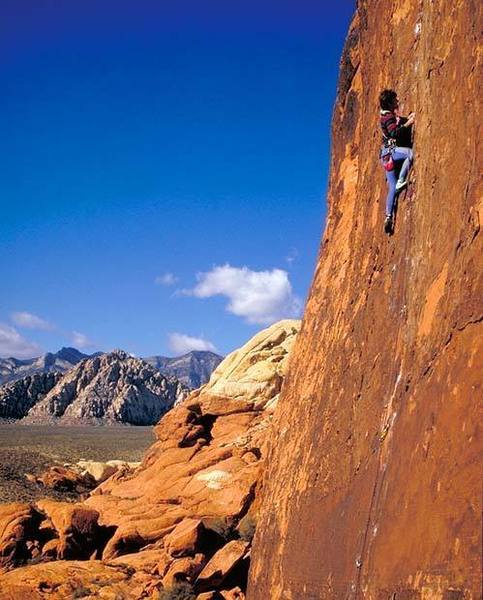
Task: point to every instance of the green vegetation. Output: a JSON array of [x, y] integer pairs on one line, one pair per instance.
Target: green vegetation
[[222, 528], [80, 591], [178, 591], [35, 448], [247, 527]]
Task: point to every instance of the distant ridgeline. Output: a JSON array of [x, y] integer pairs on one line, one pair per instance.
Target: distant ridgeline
[[12, 369], [192, 370], [69, 387]]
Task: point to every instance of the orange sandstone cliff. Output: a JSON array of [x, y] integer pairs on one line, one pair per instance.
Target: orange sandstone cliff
[[373, 481]]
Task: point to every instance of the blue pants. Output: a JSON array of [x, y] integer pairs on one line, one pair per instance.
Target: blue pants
[[398, 154]]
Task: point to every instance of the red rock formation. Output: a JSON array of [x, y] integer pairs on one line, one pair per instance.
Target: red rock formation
[[17, 522], [66, 580], [221, 565], [75, 528], [174, 517], [205, 463], [64, 479], [373, 481]]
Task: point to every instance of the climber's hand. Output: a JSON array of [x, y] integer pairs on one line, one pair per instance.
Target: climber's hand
[[410, 120]]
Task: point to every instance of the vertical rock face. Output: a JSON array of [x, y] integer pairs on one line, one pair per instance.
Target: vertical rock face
[[373, 486]]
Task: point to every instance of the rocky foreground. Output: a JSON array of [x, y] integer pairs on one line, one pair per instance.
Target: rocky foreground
[[184, 519]]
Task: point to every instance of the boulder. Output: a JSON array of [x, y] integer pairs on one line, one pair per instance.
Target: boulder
[[152, 561], [76, 528], [184, 569], [221, 564], [18, 523], [100, 471], [184, 538], [66, 479], [51, 549]]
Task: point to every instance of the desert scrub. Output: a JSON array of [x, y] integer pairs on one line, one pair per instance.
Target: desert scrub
[[35, 560], [35, 448], [222, 528], [246, 528], [80, 591], [178, 591]]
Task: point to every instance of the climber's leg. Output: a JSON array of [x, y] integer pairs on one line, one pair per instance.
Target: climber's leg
[[391, 194], [406, 155]]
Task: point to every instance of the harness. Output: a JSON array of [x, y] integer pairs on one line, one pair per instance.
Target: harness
[[388, 145]]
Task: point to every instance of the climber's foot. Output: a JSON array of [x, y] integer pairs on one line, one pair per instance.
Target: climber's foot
[[400, 184], [388, 224]]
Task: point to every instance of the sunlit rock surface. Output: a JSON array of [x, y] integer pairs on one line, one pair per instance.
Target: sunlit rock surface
[[373, 487]]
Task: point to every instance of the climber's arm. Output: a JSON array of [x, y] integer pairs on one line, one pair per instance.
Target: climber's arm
[[410, 120], [395, 124]]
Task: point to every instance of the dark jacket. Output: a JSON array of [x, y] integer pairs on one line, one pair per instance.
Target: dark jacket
[[392, 128]]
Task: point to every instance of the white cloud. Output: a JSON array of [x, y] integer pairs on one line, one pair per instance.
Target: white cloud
[[30, 321], [166, 279], [80, 340], [260, 297], [13, 344], [179, 343], [292, 255]]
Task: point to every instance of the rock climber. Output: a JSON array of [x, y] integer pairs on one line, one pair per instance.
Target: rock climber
[[396, 153]]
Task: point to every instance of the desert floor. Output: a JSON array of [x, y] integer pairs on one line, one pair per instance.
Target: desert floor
[[33, 448]]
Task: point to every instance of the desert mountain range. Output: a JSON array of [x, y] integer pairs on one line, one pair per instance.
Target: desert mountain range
[[70, 388], [12, 369], [191, 369]]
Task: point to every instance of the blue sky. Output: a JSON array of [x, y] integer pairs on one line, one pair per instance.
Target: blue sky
[[164, 168]]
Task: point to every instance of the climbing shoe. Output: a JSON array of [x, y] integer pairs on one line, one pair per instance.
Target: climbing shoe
[[400, 184], [388, 224]]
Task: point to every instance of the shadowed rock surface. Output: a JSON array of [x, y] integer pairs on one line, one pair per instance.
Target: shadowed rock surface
[[193, 369], [373, 486], [184, 514], [18, 397], [110, 388]]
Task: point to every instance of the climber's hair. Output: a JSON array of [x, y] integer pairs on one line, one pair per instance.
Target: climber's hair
[[386, 99]]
